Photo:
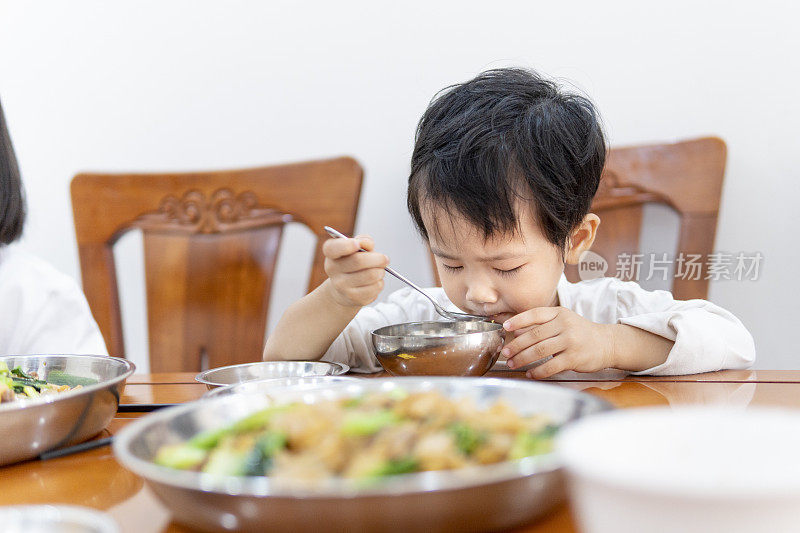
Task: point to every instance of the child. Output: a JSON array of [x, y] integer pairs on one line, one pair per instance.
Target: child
[[503, 173], [42, 311]]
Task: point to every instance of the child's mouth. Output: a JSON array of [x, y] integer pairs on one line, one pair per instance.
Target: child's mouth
[[501, 317]]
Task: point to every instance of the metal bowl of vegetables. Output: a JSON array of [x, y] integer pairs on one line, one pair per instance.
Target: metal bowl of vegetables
[[198, 460], [50, 401]]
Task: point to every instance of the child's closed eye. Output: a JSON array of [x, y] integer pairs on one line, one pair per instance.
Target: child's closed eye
[[509, 272], [452, 268]]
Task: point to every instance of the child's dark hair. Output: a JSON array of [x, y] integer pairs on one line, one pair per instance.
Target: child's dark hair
[[12, 203], [508, 135]]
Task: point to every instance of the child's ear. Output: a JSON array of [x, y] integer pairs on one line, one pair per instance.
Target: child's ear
[[581, 238]]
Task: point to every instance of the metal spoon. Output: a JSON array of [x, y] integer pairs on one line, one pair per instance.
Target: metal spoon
[[439, 309]]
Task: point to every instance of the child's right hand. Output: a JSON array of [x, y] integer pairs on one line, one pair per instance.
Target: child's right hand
[[356, 277]]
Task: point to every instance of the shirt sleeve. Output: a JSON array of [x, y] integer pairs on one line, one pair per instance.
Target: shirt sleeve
[[64, 324], [43, 311], [353, 346], [707, 338]]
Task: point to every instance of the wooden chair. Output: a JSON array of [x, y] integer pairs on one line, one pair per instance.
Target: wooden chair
[[686, 176], [210, 245]]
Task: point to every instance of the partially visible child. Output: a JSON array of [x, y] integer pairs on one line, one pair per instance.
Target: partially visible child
[[42, 311], [503, 173]]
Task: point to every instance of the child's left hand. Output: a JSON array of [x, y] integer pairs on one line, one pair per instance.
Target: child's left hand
[[577, 343]]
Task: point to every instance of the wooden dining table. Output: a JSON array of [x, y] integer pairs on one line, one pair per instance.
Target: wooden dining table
[[95, 479]]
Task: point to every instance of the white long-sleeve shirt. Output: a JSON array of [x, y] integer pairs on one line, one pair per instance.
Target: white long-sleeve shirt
[[707, 338], [43, 311]]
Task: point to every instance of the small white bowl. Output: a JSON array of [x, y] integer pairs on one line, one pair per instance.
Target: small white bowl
[[55, 519], [692, 469]]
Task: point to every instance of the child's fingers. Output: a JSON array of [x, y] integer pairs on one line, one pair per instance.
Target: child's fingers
[[364, 295], [337, 248], [534, 335], [360, 261], [362, 278], [557, 364], [540, 350], [537, 315], [366, 242]]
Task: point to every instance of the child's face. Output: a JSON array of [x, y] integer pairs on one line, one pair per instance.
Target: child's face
[[499, 277]]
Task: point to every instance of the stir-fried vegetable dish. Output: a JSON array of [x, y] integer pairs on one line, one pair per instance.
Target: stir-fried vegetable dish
[[16, 385], [371, 436]]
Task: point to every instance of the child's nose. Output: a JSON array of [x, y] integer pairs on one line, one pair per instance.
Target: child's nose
[[480, 293]]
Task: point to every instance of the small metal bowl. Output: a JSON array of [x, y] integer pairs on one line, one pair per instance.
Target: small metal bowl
[[266, 385], [234, 374], [438, 348], [31, 427]]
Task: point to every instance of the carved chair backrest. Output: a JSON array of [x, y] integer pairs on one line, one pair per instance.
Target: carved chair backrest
[[210, 246], [686, 176]]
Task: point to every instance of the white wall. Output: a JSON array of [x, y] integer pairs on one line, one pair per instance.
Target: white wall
[[178, 85]]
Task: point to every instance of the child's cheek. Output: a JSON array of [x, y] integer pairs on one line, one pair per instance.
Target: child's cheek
[[454, 293]]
